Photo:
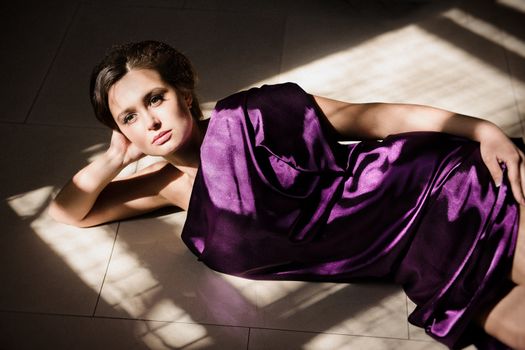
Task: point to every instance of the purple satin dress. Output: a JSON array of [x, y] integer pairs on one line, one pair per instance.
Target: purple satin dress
[[277, 197]]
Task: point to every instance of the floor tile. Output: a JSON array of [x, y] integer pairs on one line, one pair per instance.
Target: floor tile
[[513, 40], [518, 88], [152, 275], [467, 56], [245, 52], [34, 36], [40, 156], [283, 7], [310, 41], [262, 339], [48, 267], [315, 35], [39, 257], [227, 59], [287, 6], [436, 61], [354, 309], [29, 331], [137, 3], [208, 5], [479, 8]]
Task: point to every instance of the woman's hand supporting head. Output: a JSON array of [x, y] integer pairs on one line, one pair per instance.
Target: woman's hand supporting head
[[122, 151]]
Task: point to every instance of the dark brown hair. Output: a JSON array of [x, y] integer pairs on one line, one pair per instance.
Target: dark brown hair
[[174, 68]]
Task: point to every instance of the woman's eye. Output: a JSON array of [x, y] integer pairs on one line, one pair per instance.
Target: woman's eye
[[156, 100], [129, 118]]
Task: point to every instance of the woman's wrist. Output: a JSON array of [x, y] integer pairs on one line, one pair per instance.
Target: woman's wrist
[[98, 173], [115, 160], [486, 129]]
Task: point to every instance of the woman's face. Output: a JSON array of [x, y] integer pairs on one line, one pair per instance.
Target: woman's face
[[150, 113]]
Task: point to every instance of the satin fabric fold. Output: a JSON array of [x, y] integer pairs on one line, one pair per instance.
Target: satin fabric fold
[[277, 197]]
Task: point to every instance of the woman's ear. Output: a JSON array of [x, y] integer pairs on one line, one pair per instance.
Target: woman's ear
[[188, 98]]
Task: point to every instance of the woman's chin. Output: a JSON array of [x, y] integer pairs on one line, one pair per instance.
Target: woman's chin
[[163, 151]]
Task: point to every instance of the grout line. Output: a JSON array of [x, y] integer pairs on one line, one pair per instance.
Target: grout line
[[24, 124], [42, 313], [140, 6], [106, 272], [184, 7], [514, 93], [116, 318], [46, 75], [11, 122], [327, 333], [406, 308]]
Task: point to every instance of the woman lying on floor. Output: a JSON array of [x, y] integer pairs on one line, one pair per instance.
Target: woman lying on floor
[[271, 193]]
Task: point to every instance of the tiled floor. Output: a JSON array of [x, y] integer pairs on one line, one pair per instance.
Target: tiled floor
[[133, 285]]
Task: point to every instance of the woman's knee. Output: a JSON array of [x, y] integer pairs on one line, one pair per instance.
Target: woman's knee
[[506, 320], [516, 338]]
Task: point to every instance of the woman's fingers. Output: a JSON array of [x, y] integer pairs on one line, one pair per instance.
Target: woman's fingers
[[522, 175], [521, 170], [495, 170], [515, 172], [134, 153], [124, 150]]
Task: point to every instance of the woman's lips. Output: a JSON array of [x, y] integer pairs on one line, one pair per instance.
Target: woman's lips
[[161, 137]]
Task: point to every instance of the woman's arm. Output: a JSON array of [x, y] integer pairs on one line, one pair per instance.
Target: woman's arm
[[378, 120], [93, 197]]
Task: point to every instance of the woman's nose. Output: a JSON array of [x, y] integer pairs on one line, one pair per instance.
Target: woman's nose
[[153, 122]]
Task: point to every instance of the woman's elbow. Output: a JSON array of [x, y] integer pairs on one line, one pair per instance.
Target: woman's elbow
[[58, 214]]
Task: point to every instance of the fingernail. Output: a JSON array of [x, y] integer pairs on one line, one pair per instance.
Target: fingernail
[[498, 183]]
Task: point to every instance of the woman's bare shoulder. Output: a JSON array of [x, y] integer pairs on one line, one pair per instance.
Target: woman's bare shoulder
[[177, 188]]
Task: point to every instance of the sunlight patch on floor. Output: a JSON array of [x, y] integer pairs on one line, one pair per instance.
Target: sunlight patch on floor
[[414, 65], [86, 252], [27, 205], [487, 30], [309, 299], [168, 337], [518, 5]]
